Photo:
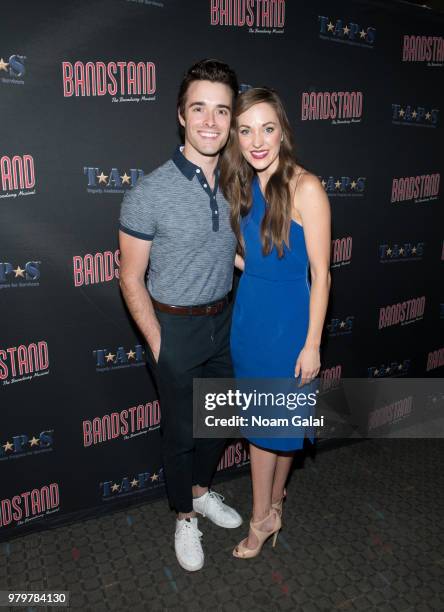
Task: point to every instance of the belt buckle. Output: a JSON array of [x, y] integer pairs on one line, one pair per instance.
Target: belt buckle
[[208, 309]]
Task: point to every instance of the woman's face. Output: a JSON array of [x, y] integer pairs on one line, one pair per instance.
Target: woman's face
[[260, 133]]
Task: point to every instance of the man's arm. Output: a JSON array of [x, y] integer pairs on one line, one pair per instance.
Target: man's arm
[[134, 258]]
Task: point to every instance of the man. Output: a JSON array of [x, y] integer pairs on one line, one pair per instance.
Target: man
[[176, 219]]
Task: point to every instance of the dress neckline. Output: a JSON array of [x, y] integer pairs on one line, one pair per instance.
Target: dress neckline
[[258, 186]]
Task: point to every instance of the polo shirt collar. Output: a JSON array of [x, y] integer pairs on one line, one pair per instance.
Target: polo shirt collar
[[187, 168]]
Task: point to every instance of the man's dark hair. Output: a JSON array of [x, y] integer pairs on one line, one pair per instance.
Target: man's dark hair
[[207, 70]]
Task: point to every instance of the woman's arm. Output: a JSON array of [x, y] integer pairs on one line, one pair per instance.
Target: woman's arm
[[312, 206]]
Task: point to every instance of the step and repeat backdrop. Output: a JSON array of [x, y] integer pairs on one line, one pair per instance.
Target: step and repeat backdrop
[[88, 105]]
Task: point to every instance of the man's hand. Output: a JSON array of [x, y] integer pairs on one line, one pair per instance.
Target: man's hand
[[155, 346]]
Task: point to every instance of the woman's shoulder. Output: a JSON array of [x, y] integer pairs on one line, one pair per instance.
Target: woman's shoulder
[[308, 193], [303, 180]]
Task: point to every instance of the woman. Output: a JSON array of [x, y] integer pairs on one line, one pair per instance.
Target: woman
[[281, 216]]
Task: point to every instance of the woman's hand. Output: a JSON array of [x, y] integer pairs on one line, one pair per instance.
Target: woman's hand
[[308, 365], [239, 262]]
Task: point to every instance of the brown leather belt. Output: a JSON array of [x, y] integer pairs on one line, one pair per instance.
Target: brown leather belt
[[202, 309]]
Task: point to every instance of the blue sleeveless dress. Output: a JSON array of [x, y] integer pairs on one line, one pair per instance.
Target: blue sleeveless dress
[[271, 312]]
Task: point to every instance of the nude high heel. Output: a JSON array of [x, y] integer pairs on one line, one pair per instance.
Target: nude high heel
[[242, 552]]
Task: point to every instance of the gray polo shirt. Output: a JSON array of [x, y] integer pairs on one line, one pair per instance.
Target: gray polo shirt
[[193, 246]]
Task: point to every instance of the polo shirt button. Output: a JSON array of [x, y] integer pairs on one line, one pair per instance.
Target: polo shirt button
[[215, 212], [197, 170], [205, 185]]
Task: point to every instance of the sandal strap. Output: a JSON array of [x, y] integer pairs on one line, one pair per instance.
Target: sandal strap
[[259, 532]]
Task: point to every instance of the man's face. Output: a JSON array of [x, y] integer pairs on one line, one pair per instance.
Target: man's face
[[207, 116]]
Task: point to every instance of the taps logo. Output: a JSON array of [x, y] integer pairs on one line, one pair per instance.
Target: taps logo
[[390, 413], [98, 268], [435, 359], [21, 445], [341, 252], [128, 423], [28, 276], [24, 359], [30, 505], [17, 175], [340, 107], [344, 186], [351, 33], [13, 70], [414, 115], [340, 327], [260, 16], [401, 252], [330, 378], [392, 369], [427, 49], [116, 79], [113, 182], [123, 487], [107, 361], [402, 313], [235, 454], [422, 188]]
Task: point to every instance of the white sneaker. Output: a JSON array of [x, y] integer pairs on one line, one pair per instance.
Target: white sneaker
[[211, 505], [187, 544]]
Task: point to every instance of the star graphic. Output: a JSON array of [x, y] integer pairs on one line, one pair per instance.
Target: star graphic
[[126, 179], [102, 177], [414, 250], [400, 366], [346, 30], [401, 113], [110, 356], [337, 184], [19, 272], [342, 324], [134, 482], [389, 251], [34, 441], [401, 251], [362, 33], [131, 354], [376, 372], [427, 116], [3, 64], [115, 487], [414, 114], [387, 369], [8, 446], [154, 477], [330, 27], [353, 184]]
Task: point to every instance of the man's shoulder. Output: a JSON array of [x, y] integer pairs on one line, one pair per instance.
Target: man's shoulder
[[157, 177]]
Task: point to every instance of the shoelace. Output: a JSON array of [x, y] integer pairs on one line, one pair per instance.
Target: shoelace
[[218, 498], [191, 533]]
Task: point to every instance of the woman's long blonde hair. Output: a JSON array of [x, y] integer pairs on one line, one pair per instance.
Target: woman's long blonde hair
[[237, 175]]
